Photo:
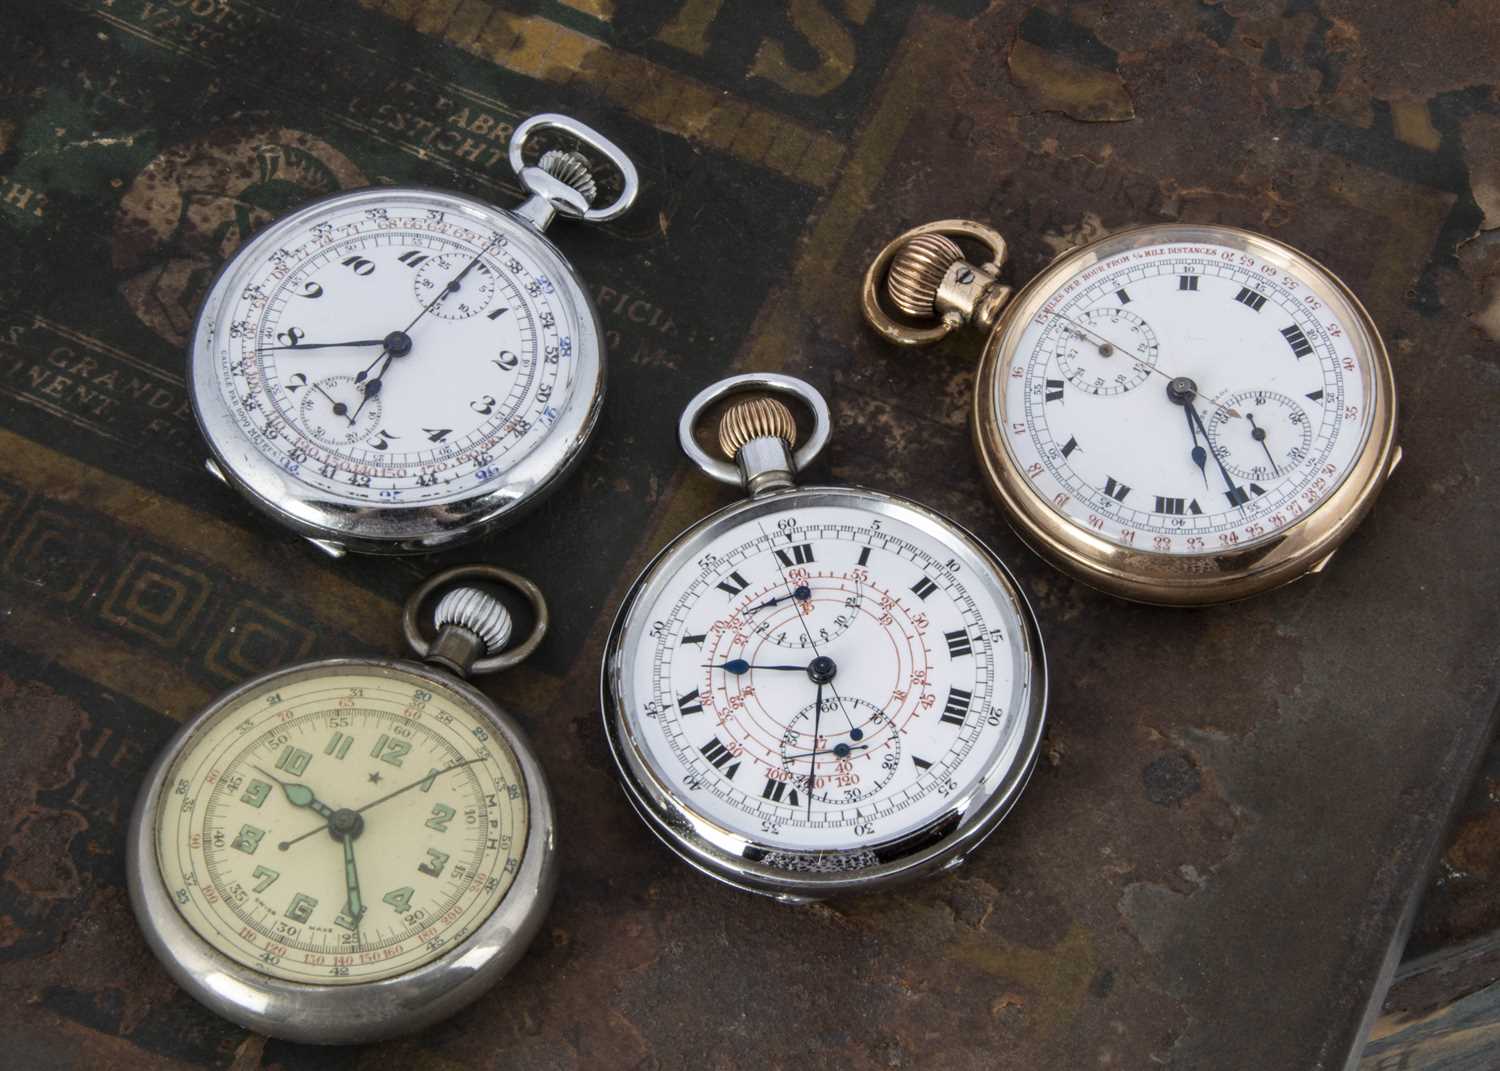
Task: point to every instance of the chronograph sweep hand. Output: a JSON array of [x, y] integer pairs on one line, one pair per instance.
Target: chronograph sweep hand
[[1106, 347], [434, 775]]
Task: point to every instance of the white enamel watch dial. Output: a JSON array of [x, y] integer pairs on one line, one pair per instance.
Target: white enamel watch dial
[[349, 849], [1269, 412], [395, 369], [832, 686], [1176, 413]]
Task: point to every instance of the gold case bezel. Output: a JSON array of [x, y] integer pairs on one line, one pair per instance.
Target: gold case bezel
[[1185, 579]]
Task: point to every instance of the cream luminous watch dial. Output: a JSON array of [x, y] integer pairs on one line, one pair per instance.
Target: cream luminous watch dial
[[1175, 413], [395, 369], [819, 689], [337, 827]]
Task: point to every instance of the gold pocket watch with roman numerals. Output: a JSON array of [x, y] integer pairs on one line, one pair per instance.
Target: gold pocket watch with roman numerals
[[1176, 414]]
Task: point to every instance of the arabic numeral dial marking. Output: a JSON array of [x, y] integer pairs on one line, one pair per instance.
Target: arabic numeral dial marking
[[798, 675], [1278, 406], [297, 337], [261, 871]]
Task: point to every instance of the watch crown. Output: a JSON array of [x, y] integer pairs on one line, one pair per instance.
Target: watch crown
[[917, 271], [477, 611], [755, 418], [571, 168]]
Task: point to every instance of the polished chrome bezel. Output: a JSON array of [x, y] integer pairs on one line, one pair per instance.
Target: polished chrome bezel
[[1186, 579], [402, 529], [737, 859], [354, 1012]]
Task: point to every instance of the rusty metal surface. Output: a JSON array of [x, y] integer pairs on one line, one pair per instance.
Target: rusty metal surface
[[1218, 858]]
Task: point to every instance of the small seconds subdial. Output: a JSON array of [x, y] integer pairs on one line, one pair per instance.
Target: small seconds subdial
[[823, 743], [434, 273], [1273, 435], [853, 759], [1107, 351], [332, 414]]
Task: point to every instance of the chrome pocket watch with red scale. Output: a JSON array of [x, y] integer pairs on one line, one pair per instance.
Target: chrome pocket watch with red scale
[[819, 690]]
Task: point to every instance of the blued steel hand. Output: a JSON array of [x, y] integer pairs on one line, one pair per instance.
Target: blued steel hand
[[1101, 341], [1228, 480], [838, 749], [1258, 433], [323, 345], [339, 408], [810, 641], [802, 592], [389, 795], [739, 665], [1200, 455], [812, 773]]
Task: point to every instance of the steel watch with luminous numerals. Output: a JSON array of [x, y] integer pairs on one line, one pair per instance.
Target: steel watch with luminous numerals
[[353, 848], [819, 690], [1176, 413], [398, 369]]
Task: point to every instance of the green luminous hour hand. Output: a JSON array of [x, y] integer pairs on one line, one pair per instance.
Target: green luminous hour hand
[[301, 796], [355, 906]]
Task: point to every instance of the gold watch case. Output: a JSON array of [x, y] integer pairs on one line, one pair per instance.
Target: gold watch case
[[970, 294]]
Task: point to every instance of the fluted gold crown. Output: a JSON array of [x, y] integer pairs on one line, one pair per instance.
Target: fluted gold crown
[[753, 419], [917, 271]]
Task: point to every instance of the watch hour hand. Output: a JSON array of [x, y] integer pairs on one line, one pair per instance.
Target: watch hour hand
[[1199, 454], [739, 665], [300, 796]]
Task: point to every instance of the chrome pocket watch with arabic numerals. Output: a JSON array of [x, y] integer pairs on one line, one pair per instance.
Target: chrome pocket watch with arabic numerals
[[353, 848], [1176, 414], [397, 369], [819, 690]]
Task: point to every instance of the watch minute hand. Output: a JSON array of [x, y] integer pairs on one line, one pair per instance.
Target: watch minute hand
[[323, 345]]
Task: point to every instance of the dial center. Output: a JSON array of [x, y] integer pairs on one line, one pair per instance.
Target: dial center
[[1182, 390], [397, 343], [345, 824], [822, 669]]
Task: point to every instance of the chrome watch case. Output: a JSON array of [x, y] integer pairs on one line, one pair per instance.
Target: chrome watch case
[[336, 527], [351, 1014], [789, 875]]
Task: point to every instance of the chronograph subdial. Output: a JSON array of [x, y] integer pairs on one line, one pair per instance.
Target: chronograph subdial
[[332, 413], [1274, 436], [806, 611], [470, 298], [841, 765], [1107, 351]]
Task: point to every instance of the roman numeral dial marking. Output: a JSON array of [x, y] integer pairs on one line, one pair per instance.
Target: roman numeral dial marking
[[957, 707], [958, 643], [1115, 489], [719, 757], [1297, 340], [923, 588], [1055, 389], [1187, 282], [732, 584], [1250, 298], [776, 790], [800, 554]]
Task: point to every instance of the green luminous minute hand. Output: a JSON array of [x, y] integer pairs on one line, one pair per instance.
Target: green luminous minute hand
[[301, 796]]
